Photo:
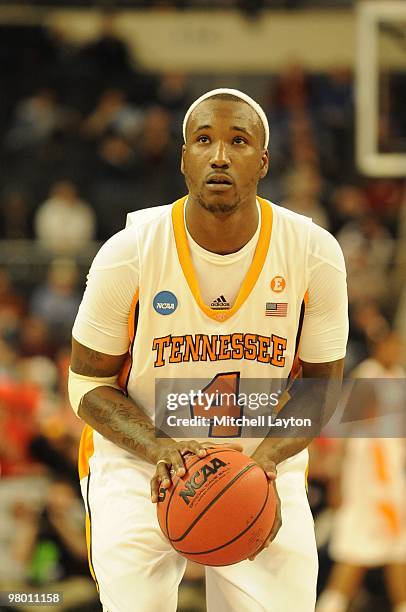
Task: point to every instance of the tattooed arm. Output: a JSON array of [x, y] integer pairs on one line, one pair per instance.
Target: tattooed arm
[[108, 410], [120, 420]]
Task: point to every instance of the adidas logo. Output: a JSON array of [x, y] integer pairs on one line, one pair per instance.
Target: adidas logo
[[220, 303]]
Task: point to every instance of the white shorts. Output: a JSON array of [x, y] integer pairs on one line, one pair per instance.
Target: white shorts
[[369, 528], [137, 570]]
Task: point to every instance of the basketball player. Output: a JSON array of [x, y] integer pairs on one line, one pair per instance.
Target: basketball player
[[369, 528], [221, 268]]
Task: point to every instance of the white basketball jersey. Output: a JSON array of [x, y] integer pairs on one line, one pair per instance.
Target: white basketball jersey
[[174, 335]]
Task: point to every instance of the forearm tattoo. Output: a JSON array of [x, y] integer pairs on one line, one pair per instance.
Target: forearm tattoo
[[118, 419]]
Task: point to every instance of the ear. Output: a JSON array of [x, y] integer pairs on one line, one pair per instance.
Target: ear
[[264, 164], [182, 160]]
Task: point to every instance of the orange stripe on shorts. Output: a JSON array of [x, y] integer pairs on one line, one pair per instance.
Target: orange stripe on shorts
[[89, 548]]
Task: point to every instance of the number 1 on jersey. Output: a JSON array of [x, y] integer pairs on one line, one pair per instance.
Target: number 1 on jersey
[[220, 399]]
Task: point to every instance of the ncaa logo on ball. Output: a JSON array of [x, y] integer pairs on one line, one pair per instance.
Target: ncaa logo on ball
[[165, 302], [199, 478]]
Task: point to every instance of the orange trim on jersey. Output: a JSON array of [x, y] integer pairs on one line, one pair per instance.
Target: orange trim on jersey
[[126, 367], [86, 450], [306, 297], [253, 273]]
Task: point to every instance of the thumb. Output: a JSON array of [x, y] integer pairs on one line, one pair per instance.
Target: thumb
[[269, 468]]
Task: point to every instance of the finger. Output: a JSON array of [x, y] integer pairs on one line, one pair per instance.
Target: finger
[[275, 528], [262, 547], [270, 470], [252, 557], [192, 446], [271, 475], [267, 465], [163, 474], [278, 517], [177, 463], [155, 486], [277, 524]]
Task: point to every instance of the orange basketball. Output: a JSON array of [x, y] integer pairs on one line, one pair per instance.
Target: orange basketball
[[221, 511]]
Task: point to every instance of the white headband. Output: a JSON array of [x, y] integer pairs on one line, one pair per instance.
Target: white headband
[[238, 94]]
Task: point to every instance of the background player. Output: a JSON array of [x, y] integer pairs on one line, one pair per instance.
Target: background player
[[369, 528]]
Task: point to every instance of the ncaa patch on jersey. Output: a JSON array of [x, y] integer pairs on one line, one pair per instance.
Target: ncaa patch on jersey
[[165, 302]]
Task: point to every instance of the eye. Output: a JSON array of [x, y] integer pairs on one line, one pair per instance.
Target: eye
[[202, 139], [239, 140]]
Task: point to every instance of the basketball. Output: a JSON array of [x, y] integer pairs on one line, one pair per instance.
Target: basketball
[[221, 511]]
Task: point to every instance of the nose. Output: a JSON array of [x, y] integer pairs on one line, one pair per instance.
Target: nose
[[220, 157]]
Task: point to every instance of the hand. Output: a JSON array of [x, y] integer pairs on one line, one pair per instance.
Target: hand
[[269, 468], [169, 459]]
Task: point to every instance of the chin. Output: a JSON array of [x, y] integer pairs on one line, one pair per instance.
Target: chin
[[217, 204]]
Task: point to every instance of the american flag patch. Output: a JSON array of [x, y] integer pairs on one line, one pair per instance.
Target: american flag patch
[[276, 309]]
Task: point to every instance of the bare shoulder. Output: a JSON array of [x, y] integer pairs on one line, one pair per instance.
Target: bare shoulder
[[88, 362]]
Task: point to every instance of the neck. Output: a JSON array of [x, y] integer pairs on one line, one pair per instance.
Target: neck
[[222, 233]]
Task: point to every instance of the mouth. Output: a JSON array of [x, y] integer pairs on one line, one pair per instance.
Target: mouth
[[219, 182], [219, 179]]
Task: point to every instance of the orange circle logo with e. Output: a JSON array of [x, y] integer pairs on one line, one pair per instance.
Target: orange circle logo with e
[[278, 284]]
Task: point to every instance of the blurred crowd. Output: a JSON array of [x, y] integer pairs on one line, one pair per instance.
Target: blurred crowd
[[87, 136], [247, 6]]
